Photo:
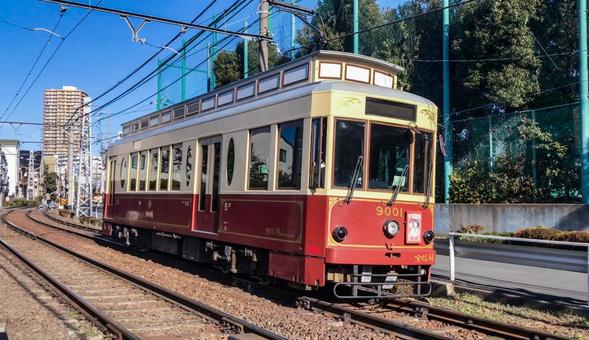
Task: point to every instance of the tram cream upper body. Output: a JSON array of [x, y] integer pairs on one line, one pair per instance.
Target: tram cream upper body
[[315, 96]]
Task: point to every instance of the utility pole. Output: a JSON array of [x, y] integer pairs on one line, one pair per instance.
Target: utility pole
[[246, 58], [30, 176], [264, 10], [584, 100], [355, 23], [70, 164], [446, 103], [293, 32], [84, 192], [214, 55]]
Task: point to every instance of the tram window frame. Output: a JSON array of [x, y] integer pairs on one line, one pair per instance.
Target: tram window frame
[[426, 164], [204, 177], [318, 151], [364, 151], [153, 173], [230, 165], [133, 171], [142, 172], [409, 176], [295, 182], [264, 129], [176, 167], [161, 168]]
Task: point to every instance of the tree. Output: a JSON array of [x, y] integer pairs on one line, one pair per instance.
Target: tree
[[498, 30], [50, 182], [226, 68]]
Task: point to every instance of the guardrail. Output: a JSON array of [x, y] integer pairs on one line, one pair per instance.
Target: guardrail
[[562, 259]]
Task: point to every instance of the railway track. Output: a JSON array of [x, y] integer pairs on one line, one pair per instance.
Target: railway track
[[367, 314], [120, 303]]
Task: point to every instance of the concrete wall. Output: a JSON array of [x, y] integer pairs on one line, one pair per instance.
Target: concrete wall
[[510, 217]]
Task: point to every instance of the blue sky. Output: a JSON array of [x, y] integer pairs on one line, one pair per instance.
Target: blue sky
[[99, 53]]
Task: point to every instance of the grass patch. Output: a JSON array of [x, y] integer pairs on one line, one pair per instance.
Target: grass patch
[[566, 322]]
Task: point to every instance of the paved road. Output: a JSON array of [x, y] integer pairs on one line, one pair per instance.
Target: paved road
[[539, 283]]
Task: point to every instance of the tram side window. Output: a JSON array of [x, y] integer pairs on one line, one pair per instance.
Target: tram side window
[[123, 172], [165, 168], [422, 161], [349, 152], [133, 173], [112, 182], [259, 154], [389, 157], [318, 141], [290, 145], [153, 166], [142, 170], [177, 168]]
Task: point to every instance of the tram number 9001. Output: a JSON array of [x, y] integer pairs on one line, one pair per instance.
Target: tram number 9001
[[388, 211]]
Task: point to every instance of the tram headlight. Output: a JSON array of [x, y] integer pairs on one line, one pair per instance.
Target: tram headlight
[[428, 236], [390, 228], [340, 233]]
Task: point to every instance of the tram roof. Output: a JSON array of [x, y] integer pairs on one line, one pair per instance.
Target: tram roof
[[338, 70]]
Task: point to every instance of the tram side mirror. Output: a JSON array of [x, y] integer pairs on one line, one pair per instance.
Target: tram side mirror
[[409, 137]]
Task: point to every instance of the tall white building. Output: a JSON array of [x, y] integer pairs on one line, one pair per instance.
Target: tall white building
[[10, 164]]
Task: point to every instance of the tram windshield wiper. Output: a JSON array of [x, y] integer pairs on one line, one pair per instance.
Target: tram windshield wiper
[[397, 186], [354, 180]]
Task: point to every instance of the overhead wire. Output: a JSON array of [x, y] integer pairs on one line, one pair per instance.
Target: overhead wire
[[154, 72], [32, 68], [51, 58]]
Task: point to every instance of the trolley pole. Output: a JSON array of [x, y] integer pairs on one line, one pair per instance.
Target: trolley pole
[[355, 23], [264, 10], [583, 99], [246, 59], [446, 103]]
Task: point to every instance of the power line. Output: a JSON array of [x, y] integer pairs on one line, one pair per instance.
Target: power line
[[137, 69], [22, 84], [152, 74], [50, 58], [151, 18]]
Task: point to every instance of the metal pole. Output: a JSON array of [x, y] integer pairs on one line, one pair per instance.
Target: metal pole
[[355, 24], [209, 67], [452, 259], [446, 103], [70, 172], [213, 55], [183, 70], [583, 100], [293, 32], [490, 141], [534, 167], [246, 59], [264, 31], [159, 85]]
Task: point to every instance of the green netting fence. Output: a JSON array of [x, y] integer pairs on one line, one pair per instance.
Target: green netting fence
[[550, 162]]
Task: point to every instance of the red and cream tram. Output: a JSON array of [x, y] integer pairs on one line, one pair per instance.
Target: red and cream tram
[[316, 172]]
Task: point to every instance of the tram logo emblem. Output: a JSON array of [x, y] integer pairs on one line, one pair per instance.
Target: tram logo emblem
[[149, 204]]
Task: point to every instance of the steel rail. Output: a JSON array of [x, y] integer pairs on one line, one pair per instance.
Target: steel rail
[[104, 321], [489, 327], [398, 329], [69, 224], [221, 317]]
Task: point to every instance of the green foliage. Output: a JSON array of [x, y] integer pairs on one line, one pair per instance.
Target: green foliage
[[226, 68], [543, 233], [51, 182], [510, 178], [20, 202]]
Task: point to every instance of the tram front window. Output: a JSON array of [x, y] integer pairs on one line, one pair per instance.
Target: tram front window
[[349, 145], [389, 157]]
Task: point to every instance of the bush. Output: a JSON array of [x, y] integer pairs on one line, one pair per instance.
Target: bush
[[472, 229], [20, 202], [539, 233]]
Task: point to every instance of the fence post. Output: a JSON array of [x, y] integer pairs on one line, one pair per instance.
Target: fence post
[[453, 265]]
